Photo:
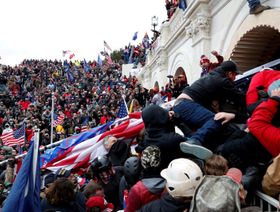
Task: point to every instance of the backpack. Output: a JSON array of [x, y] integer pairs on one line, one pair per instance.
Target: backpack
[[271, 179], [216, 194]]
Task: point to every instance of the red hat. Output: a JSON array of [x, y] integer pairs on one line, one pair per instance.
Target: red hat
[[204, 59], [96, 201], [235, 174]]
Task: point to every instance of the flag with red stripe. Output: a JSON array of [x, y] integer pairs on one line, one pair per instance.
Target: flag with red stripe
[[108, 58], [58, 120], [84, 127], [81, 155], [13, 138]]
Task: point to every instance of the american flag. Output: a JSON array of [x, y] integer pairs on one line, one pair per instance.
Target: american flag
[[107, 46], [123, 112], [82, 154], [14, 137], [84, 126], [109, 60], [58, 120]]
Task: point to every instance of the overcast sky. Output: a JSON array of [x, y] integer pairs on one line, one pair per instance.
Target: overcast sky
[[42, 29]]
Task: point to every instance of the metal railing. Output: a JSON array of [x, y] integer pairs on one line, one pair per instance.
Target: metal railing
[[266, 203]]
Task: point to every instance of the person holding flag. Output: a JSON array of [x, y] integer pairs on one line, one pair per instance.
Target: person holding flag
[[12, 138]]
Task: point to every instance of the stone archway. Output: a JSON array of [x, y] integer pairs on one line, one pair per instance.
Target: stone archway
[[257, 41], [258, 46]]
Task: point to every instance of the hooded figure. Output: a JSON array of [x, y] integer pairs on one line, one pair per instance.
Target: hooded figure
[[160, 131]]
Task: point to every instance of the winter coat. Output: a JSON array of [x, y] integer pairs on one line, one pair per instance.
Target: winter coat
[[214, 86], [165, 204], [261, 127], [143, 192], [260, 80], [158, 132]]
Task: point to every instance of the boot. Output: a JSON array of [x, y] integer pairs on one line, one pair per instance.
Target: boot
[[195, 148], [258, 9]]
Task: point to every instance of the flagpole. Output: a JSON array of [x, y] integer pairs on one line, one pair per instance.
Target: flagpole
[[125, 104], [43, 148], [36, 148], [52, 113]]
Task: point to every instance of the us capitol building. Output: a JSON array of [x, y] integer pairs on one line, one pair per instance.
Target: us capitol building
[[222, 25]]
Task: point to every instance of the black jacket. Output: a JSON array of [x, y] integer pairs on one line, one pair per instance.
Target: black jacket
[[214, 86], [159, 133], [168, 142], [165, 204]]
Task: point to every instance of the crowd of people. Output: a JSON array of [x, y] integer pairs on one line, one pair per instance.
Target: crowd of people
[[85, 98], [171, 6], [85, 95], [136, 54], [168, 167], [228, 139]]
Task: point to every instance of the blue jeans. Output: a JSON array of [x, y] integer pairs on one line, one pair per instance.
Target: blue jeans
[[253, 3], [196, 116]]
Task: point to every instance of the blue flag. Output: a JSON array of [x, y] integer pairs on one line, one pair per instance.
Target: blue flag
[[25, 193], [69, 75], [99, 61], [86, 66], [182, 4], [135, 36], [123, 109], [51, 154]]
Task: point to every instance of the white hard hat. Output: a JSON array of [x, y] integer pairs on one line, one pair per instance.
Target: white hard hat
[[182, 177]]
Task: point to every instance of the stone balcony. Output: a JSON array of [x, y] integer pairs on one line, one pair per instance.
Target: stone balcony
[[182, 22]]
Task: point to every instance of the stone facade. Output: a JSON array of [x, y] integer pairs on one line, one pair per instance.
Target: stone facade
[[204, 26]]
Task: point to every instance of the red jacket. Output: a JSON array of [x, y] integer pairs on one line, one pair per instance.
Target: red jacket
[[29, 134], [139, 195], [24, 104], [260, 126], [212, 66], [264, 79], [68, 113]]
